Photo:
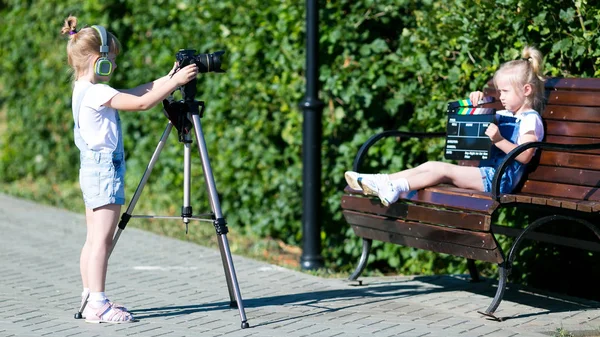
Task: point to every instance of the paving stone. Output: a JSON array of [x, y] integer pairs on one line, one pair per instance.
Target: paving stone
[[176, 288]]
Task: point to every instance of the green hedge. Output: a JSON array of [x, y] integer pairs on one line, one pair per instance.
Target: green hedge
[[383, 64]]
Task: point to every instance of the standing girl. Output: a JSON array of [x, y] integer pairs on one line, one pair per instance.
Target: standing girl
[[521, 87], [92, 53]]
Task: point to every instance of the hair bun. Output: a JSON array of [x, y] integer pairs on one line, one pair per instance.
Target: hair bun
[[69, 26]]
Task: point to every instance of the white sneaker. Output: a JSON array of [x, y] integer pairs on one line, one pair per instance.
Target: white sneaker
[[380, 185], [352, 180], [355, 181]]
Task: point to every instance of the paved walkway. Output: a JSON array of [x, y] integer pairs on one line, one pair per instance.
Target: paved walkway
[[177, 288]]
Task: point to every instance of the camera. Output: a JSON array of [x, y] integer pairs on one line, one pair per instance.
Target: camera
[[206, 62], [177, 111]]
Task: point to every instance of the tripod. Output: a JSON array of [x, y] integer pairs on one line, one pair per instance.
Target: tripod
[[185, 115]]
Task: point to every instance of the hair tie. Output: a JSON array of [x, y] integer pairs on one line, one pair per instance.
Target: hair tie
[[73, 31], [527, 59]]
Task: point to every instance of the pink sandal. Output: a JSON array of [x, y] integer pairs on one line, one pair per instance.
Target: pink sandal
[[85, 296], [108, 314], [112, 304]]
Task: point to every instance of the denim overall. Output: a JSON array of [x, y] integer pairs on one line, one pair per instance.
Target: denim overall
[[101, 174], [509, 129]]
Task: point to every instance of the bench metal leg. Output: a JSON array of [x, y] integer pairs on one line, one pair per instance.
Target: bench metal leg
[[503, 280], [505, 268], [473, 270], [363, 260]]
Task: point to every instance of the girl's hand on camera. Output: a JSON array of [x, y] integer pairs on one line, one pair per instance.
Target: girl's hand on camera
[[475, 97], [186, 74], [175, 66]]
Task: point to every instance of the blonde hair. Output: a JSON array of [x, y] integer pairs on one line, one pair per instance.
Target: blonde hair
[[85, 44], [527, 70]]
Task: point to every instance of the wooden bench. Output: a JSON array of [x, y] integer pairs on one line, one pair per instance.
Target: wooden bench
[[563, 185]]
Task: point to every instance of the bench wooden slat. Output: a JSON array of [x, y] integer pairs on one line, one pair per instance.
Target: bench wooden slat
[[453, 190], [574, 141], [473, 245], [421, 230], [437, 196], [448, 197], [577, 98], [542, 237], [562, 191], [551, 201], [573, 129], [542, 201], [568, 159], [584, 207], [576, 84], [565, 175], [492, 256], [571, 113], [560, 97], [414, 212], [507, 198], [554, 203], [523, 199]]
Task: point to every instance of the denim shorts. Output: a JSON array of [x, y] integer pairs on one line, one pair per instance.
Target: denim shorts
[[102, 178], [487, 176]]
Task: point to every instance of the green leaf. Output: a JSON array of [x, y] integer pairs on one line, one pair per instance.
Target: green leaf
[[567, 15]]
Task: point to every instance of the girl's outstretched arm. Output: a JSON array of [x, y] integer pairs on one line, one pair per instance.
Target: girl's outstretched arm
[[147, 87], [127, 102]]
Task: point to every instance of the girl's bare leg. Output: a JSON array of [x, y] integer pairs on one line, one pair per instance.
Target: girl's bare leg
[[101, 228], [85, 251], [102, 223], [434, 172], [408, 172]]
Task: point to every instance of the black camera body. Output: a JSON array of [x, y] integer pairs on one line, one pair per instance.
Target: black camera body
[[206, 62]]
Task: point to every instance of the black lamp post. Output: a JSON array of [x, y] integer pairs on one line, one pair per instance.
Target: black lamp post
[[311, 146]]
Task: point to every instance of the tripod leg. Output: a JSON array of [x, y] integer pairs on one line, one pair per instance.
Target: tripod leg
[[138, 191], [79, 314], [127, 215], [186, 209], [232, 301], [220, 224]]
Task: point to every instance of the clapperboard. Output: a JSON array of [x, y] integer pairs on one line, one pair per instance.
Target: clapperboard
[[465, 137]]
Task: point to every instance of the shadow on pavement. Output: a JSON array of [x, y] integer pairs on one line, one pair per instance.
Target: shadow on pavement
[[546, 302], [381, 291]]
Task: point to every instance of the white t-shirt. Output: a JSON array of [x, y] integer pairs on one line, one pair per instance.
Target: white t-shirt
[[530, 121], [97, 123]]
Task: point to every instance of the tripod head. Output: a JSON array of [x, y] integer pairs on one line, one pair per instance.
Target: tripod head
[[178, 113]]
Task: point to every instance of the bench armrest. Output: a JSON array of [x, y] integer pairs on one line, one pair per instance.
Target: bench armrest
[[539, 145], [362, 152]]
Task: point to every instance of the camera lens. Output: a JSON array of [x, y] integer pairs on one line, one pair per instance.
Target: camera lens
[[209, 62]]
